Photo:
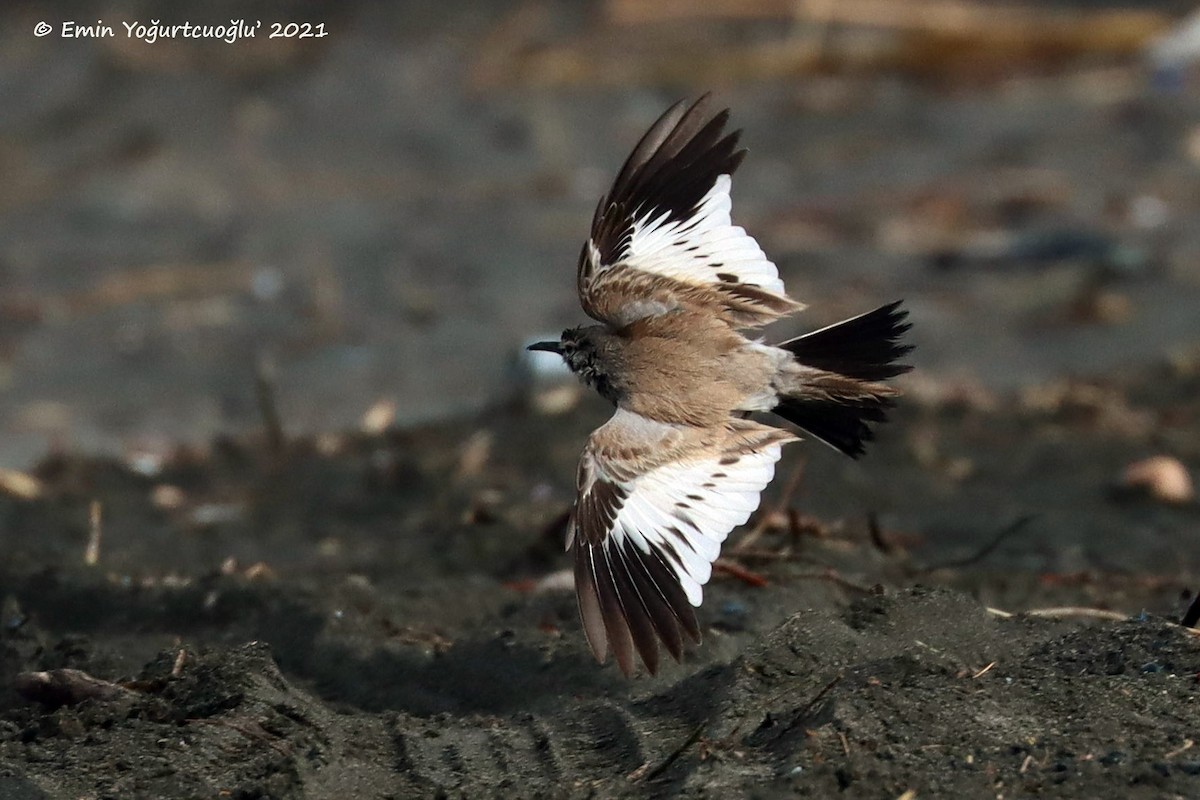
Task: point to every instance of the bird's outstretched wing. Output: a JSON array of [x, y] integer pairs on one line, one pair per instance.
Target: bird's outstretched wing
[[662, 237], [655, 503]]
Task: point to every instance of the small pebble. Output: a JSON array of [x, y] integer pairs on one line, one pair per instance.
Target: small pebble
[[1162, 478], [1148, 212], [379, 417], [167, 497], [20, 485]]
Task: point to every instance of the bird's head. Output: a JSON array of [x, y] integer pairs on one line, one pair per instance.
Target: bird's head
[[575, 347], [579, 349]]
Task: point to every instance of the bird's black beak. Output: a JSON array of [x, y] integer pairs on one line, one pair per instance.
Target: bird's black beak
[[549, 347]]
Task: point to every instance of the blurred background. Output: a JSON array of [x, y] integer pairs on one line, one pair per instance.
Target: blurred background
[[375, 220]]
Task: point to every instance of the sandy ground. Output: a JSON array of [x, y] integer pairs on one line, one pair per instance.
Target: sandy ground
[[376, 607], [378, 615]]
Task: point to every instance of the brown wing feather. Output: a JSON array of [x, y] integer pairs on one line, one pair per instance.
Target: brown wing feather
[[622, 295], [588, 596], [616, 623]]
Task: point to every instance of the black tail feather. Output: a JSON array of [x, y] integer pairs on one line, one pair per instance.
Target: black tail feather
[[864, 347], [843, 425]]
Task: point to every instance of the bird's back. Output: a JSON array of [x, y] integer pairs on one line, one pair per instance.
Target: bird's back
[[687, 367]]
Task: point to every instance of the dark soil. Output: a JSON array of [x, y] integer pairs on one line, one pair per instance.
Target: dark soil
[[366, 617]]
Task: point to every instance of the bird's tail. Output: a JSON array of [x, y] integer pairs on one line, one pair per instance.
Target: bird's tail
[[839, 389]]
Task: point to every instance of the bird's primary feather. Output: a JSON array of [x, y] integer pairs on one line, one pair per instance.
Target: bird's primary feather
[[663, 236]]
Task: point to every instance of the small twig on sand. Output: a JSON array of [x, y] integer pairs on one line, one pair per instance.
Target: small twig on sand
[[91, 556], [811, 704], [1062, 612], [264, 389], [692, 738], [779, 509], [180, 660], [828, 574], [758, 554], [1192, 615], [986, 550], [1077, 611], [1188, 744], [984, 671], [736, 570]]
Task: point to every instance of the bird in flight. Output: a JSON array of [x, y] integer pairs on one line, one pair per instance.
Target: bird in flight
[[679, 465]]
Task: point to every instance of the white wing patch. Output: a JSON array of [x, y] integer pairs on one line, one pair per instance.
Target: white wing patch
[[684, 511], [707, 248]]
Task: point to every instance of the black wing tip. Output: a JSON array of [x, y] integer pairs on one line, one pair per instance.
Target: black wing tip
[[629, 603], [671, 169], [738, 156], [698, 106]]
